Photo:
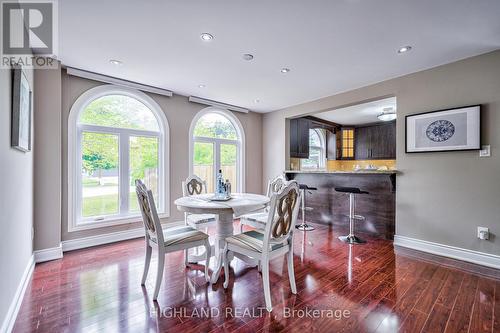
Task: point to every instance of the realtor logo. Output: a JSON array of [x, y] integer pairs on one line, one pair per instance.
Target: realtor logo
[[28, 33]]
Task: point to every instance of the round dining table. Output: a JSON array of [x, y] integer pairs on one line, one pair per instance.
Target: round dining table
[[240, 203]]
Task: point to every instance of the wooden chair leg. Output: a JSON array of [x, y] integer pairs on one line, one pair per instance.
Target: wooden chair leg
[[208, 248], [159, 273], [265, 281], [147, 261], [226, 266], [291, 273]]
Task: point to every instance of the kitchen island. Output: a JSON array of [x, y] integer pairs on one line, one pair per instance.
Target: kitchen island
[[332, 208]]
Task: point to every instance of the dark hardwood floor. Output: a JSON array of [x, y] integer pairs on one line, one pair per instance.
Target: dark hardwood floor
[[364, 288]]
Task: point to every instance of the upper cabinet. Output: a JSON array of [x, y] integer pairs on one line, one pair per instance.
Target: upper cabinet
[[299, 137], [376, 142], [347, 135]]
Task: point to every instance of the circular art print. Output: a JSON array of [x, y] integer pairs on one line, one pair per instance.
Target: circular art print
[[440, 130]]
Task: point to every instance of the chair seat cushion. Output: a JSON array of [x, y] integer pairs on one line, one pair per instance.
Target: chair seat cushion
[[201, 218], [181, 235], [259, 218], [251, 240]]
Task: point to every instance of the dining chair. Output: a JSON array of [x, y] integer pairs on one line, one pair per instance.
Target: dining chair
[[258, 219], [194, 185], [165, 240], [274, 241]]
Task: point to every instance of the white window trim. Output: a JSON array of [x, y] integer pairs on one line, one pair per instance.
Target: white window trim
[[240, 142], [74, 155], [322, 152]]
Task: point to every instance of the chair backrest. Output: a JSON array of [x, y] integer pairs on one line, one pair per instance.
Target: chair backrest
[[152, 225], [193, 185], [283, 213], [275, 185]]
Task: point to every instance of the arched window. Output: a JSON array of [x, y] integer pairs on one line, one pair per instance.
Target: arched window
[[217, 143], [116, 135], [317, 150]]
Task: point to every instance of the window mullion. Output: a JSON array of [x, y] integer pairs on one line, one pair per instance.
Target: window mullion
[[124, 173], [217, 161]]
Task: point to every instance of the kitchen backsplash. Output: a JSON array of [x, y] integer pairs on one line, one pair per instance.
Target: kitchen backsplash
[[348, 165]]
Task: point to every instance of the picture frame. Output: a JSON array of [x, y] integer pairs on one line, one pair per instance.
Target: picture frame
[[21, 111], [456, 129]]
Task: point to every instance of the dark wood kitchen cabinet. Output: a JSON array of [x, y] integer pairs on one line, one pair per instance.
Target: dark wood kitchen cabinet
[[299, 137], [376, 142]]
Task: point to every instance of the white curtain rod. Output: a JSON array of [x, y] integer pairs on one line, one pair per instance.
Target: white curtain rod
[[209, 102]]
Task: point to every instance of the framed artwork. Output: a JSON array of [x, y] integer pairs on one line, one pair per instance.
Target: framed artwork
[[21, 112], [444, 130]]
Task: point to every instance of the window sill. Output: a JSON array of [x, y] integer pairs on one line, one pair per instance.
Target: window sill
[[109, 222]]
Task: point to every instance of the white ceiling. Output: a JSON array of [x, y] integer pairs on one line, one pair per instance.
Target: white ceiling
[[330, 46], [359, 114]]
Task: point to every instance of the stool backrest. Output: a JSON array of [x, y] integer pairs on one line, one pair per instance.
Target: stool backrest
[[283, 213], [275, 185], [152, 225], [193, 185]]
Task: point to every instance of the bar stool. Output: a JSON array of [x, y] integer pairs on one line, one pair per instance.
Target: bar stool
[[351, 238], [303, 189]]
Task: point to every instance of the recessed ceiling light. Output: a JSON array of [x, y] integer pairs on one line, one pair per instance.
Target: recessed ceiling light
[[387, 114], [256, 101], [116, 62], [285, 70], [247, 56], [201, 86], [206, 36], [404, 49]]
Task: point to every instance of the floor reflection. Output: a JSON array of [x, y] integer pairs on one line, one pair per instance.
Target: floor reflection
[[98, 289]]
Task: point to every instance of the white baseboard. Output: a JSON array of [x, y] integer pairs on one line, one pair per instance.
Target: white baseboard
[[479, 258], [10, 318], [48, 254], [81, 243]]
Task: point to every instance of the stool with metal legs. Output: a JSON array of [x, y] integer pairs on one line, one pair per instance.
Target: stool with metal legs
[[303, 189], [351, 238]]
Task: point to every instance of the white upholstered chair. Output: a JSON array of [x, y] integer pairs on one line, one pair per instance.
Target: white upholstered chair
[[165, 241], [274, 241], [191, 186], [258, 219]]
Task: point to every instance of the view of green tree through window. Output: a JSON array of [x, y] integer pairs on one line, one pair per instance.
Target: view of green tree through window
[[216, 146], [143, 165], [204, 163], [100, 170], [120, 142]]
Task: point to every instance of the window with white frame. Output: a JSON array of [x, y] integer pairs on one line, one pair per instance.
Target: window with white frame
[[117, 135], [216, 143], [317, 150]]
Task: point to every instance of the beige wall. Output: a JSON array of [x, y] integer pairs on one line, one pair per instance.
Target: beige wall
[[48, 151], [441, 197], [16, 201], [179, 112]]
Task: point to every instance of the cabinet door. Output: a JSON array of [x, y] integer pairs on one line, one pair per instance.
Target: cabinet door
[[294, 138], [391, 141], [331, 145], [362, 143], [299, 138], [304, 125], [383, 141]]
